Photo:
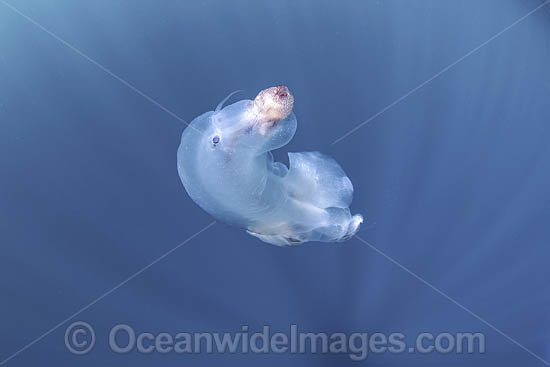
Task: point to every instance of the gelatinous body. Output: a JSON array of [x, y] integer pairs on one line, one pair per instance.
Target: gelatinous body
[[225, 164]]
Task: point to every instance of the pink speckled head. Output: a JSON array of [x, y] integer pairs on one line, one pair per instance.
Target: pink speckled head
[[274, 104]]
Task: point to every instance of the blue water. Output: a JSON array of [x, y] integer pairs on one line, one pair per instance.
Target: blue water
[[453, 180]]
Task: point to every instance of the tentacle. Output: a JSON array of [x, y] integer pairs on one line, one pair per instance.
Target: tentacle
[[220, 105]]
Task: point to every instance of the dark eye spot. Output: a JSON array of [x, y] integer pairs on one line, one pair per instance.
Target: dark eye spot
[[215, 140]]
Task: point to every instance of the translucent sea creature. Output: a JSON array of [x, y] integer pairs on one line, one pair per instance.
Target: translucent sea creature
[[225, 164]]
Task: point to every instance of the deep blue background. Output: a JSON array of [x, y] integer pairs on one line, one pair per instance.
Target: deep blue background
[[453, 181]]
